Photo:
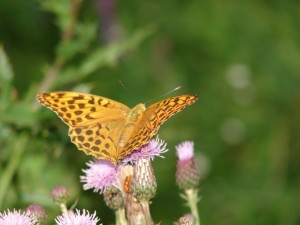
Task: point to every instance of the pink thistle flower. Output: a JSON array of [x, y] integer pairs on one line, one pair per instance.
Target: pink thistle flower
[[187, 219], [185, 150], [100, 175], [60, 194], [38, 212], [71, 218], [148, 151], [187, 171], [17, 218]]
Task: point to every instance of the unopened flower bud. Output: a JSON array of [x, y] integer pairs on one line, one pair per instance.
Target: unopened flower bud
[[113, 198], [143, 183], [60, 194], [38, 212]]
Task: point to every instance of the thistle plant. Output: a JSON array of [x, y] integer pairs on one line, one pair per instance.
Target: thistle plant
[[127, 188], [188, 176]]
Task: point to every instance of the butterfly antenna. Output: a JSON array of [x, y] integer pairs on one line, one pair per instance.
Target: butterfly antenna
[[126, 89], [175, 89]]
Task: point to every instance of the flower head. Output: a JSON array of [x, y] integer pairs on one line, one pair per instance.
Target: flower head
[[185, 150], [187, 219], [60, 194], [17, 218], [187, 172], [76, 218], [148, 151], [99, 175], [38, 212]]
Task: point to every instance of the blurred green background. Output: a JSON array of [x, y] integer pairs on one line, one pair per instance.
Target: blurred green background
[[242, 58]]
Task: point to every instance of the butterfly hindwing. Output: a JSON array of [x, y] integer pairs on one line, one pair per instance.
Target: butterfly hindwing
[[98, 139]]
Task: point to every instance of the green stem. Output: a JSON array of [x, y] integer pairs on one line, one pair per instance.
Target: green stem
[[15, 159], [63, 208], [192, 198], [146, 212], [120, 217]]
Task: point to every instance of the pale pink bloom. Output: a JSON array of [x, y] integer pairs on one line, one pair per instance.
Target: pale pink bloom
[[187, 171], [17, 218], [100, 174], [185, 150], [76, 218], [148, 151]]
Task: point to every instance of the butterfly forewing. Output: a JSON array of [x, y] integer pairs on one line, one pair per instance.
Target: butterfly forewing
[[94, 122], [77, 109], [153, 117]]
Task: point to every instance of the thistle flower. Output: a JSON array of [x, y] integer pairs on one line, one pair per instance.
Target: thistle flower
[[100, 175], [17, 218], [187, 219], [148, 151], [38, 212], [185, 150], [187, 178], [187, 173], [60, 194], [76, 218]]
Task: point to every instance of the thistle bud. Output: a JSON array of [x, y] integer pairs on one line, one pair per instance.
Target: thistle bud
[[60, 195], [113, 198], [187, 172], [143, 183], [38, 212]]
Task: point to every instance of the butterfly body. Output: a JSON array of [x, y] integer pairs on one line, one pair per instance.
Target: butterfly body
[[133, 118], [108, 129]]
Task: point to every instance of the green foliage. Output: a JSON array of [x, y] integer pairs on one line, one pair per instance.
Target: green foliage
[[99, 57], [241, 58], [6, 76]]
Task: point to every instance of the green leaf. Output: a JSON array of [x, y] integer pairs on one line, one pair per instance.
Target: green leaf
[[61, 10], [21, 115], [84, 34], [6, 76], [18, 148]]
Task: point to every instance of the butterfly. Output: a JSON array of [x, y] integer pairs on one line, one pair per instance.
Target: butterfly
[[108, 129]]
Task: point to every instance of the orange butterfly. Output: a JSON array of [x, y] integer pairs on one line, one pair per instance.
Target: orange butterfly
[[108, 129]]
